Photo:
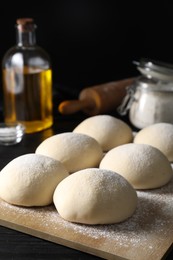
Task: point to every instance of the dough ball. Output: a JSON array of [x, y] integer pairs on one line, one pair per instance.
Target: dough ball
[[75, 151], [95, 196], [107, 130], [159, 135], [144, 166], [30, 180]]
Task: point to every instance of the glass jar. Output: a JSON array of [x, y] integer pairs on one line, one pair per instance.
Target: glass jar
[[27, 81], [150, 99]]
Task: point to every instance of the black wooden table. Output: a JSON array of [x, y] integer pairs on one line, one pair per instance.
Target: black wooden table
[[15, 245]]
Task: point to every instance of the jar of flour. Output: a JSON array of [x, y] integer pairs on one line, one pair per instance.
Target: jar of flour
[[150, 99]]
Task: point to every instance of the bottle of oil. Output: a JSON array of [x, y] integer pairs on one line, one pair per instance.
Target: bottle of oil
[[27, 81]]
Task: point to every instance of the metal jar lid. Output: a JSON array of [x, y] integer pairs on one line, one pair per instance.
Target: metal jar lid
[[155, 69]]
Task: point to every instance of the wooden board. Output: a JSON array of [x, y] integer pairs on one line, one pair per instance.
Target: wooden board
[[148, 234]]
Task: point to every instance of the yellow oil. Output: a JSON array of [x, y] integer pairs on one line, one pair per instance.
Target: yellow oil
[[28, 97]]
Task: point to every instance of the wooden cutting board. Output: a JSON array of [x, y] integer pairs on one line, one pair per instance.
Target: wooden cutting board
[[148, 234]]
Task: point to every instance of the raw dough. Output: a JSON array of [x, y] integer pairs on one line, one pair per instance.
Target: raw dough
[[144, 166], [159, 135], [107, 130], [75, 151], [30, 180], [95, 196]]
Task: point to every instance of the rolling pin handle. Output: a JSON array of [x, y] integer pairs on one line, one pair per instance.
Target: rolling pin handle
[[72, 106]]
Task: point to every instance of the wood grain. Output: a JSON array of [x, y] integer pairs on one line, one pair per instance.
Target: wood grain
[[148, 234]]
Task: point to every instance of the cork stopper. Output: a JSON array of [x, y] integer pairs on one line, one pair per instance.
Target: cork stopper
[[25, 24]]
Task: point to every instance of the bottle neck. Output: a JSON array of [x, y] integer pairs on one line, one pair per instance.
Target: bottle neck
[[26, 37]]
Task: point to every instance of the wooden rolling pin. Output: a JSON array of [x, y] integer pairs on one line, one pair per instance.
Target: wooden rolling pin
[[97, 99]]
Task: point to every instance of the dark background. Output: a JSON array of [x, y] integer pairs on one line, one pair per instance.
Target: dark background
[[90, 41]]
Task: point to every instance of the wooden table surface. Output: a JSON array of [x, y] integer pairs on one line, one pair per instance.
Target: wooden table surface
[[17, 245]]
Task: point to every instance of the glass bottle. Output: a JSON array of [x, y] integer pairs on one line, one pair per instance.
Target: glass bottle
[[27, 81]]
